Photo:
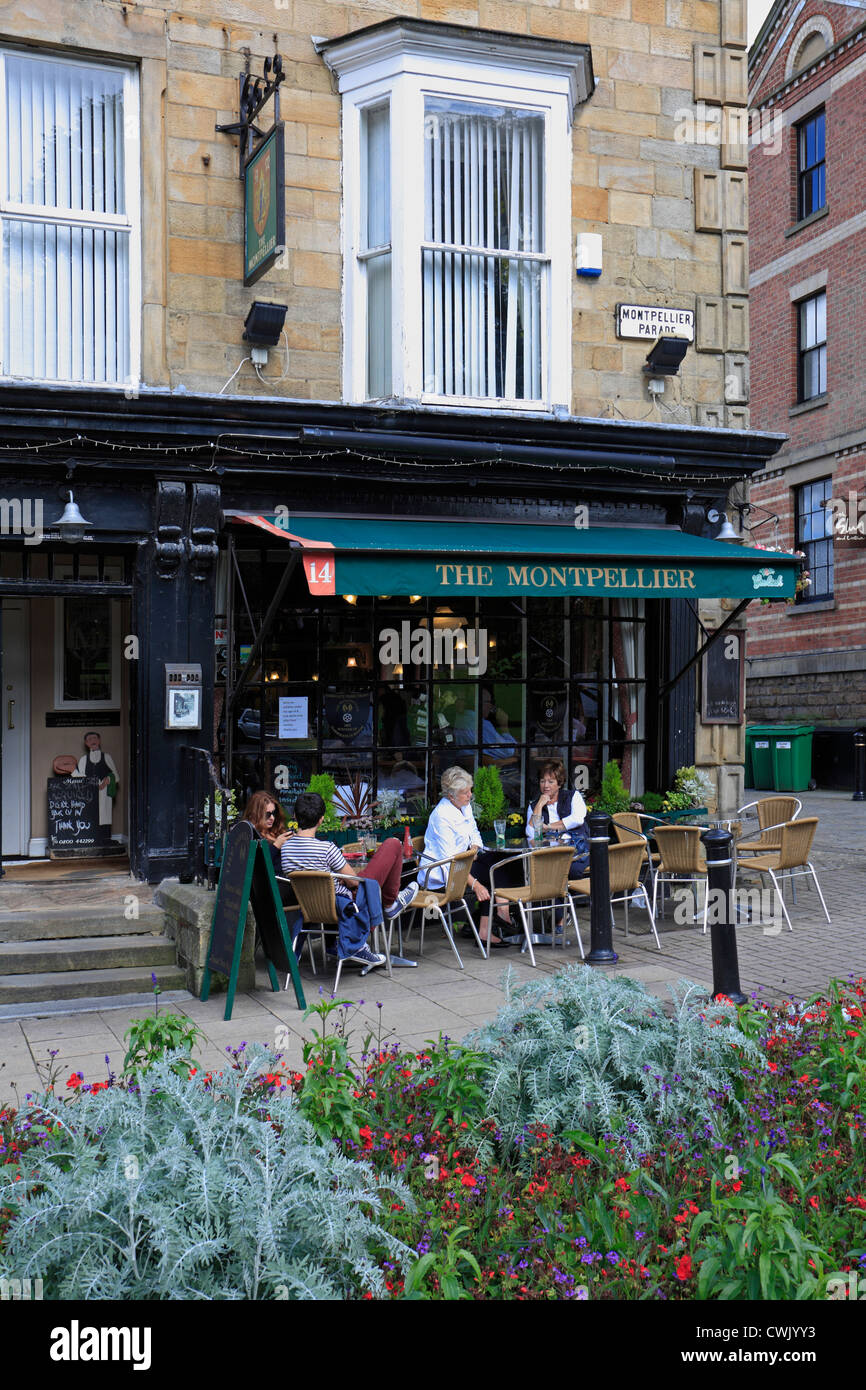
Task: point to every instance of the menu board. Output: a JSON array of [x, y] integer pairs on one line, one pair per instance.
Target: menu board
[[73, 811], [723, 674]]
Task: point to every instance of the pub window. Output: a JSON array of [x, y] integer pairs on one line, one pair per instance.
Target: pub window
[[87, 653]]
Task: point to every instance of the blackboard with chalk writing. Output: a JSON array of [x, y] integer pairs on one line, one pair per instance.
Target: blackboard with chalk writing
[[73, 811], [722, 678]]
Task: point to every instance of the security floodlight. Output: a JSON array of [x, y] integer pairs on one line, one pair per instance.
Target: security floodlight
[[664, 359], [264, 323]]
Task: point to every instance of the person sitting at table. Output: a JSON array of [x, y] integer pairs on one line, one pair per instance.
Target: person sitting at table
[[559, 811], [451, 830], [304, 851], [265, 815]]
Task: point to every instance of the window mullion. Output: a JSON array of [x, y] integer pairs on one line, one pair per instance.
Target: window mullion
[[407, 182]]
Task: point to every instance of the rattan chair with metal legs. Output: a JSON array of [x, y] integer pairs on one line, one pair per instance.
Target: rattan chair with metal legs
[[771, 813], [681, 860], [627, 825], [314, 890], [548, 885], [790, 861], [625, 862], [438, 903]]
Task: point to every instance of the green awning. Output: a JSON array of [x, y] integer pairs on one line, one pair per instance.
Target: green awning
[[347, 555]]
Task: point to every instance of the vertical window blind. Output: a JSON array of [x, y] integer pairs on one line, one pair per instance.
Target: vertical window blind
[[484, 268], [65, 223]]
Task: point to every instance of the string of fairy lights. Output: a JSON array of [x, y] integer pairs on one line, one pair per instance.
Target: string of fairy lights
[[330, 455]]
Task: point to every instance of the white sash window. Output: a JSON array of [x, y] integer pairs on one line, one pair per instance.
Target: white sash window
[[69, 219], [457, 214]]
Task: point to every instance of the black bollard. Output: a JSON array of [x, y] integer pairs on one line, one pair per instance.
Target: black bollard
[[601, 950], [723, 938], [859, 765]]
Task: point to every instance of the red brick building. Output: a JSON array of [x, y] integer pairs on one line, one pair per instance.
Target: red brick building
[[807, 175]]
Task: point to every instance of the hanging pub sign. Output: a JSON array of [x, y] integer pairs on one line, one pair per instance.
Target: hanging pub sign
[[264, 205]]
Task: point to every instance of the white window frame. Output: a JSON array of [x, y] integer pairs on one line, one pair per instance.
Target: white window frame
[[59, 653], [130, 222], [402, 64]]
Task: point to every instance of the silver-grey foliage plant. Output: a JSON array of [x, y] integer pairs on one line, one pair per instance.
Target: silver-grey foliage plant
[[577, 1051], [177, 1191]]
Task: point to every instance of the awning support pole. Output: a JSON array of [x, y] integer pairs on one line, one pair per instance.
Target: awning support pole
[[267, 624], [714, 637]]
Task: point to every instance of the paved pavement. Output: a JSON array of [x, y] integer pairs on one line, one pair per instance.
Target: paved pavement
[[439, 997]]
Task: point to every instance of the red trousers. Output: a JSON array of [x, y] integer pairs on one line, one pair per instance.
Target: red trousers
[[385, 867]]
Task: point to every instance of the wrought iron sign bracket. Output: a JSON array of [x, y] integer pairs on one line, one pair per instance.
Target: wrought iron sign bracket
[[254, 93]]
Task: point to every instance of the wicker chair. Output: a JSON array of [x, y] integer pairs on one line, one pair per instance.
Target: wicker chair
[[625, 862], [439, 902], [681, 859], [314, 891], [773, 812], [628, 824], [548, 883], [791, 859]]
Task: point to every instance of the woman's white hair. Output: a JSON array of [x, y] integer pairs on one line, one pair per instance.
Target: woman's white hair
[[454, 780]]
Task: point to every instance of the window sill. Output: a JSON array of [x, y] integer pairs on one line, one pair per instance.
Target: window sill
[[807, 221], [813, 404], [824, 605]]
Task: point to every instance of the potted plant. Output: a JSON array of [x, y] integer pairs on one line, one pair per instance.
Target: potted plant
[[613, 797], [488, 796], [692, 790], [323, 783]]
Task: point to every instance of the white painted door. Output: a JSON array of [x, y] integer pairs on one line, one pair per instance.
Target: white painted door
[[16, 727]]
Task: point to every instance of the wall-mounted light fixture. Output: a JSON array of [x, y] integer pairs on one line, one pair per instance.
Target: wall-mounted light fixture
[[351, 598], [262, 328], [664, 359], [71, 526]]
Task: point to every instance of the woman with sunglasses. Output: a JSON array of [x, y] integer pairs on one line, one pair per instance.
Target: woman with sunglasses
[[265, 815]]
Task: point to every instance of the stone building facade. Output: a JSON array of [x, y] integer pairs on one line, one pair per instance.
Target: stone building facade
[[176, 430], [807, 661]]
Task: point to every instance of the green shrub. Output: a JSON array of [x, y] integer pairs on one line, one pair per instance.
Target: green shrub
[[613, 797], [180, 1190], [324, 784], [488, 795], [652, 803], [582, 1052]]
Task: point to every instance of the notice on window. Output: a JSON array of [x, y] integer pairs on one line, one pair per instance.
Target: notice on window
[[293, 716]]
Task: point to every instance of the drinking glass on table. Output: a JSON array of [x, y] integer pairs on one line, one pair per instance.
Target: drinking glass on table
[[499, 827]]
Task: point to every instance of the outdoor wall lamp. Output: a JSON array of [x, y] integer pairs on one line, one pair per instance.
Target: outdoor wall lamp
[[664, 359], [262, 328], [71, 526]]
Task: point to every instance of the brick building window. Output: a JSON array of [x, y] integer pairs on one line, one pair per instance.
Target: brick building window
[[69, 174], [811, 180], [814, 521], [812, 347], [457, 222]]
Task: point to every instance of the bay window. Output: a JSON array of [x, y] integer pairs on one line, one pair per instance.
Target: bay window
[[457, 214]]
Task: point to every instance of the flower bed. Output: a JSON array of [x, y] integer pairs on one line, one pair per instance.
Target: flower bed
[[753, 1192]]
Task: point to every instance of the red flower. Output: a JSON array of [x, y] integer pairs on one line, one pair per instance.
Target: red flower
[[735, 1186], [75, 1080], [813, 1202], [622, 1185], [684, 1267], [468, 1180], [771, 1066]]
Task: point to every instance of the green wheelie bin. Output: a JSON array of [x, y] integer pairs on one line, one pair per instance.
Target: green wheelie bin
[[792, 756], [759, 757]]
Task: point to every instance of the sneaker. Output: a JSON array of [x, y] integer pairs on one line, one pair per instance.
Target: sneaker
[[364, 956], [406, 896]]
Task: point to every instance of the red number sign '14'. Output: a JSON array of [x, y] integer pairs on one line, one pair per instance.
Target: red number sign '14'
[[321, 573]]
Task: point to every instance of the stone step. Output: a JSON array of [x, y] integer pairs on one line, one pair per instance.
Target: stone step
[[88, 984], [85, 953], [56, 924]]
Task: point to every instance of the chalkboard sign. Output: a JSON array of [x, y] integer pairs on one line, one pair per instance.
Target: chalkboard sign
[[247, 875], [73, 811], [723, 674]]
